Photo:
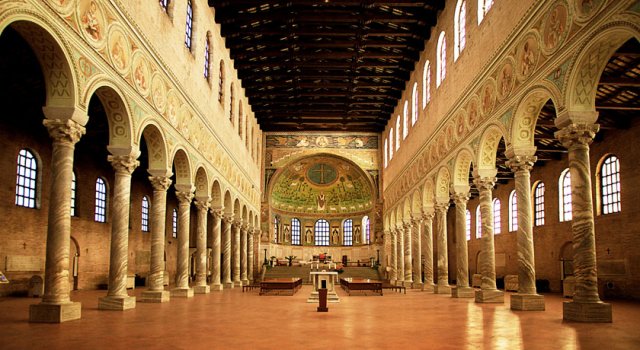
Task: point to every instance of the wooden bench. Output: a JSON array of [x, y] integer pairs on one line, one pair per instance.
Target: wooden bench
[[289, 285], [399, 289], [251, 286], [361, 284]]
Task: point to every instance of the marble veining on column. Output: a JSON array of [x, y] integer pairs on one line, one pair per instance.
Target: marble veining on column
[[202, 205], [182, 288], [417, 251], [243, 254], [586, 305], [462, 289], [400, 255], [442, 287], [235, 253], [56, 305], [226, 251], [117, 297], [408, 267], [250, 254], [394, 262], [427, 251], [216, 283]]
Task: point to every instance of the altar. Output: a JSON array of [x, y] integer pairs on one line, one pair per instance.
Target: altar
[[324, 279]]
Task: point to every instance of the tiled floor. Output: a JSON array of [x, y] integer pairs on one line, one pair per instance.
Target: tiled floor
[[236, 320]]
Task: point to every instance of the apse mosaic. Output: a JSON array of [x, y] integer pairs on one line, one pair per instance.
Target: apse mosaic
[[321, 184]]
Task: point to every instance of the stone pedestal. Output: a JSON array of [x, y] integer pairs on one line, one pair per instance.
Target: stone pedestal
[[155, 296], [182, 293], [462, 292], [330, 278], [417, 285], [54, 313], [527, 302], [117, 303], [217, 287], [428, 287], [228, 285], [201, 289], [442, 289], [489, 296], [587, 312]]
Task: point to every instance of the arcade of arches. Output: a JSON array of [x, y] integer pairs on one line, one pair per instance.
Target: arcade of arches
[[129, 160]]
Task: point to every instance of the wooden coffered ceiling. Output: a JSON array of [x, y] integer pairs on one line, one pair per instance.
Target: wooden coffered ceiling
[[325, 64]]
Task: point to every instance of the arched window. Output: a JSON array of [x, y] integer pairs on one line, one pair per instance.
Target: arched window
[[414, 104], [538, 204], [322, 232], [144, 223], [610, 185], [101, 200], [468, 227], [497, 225], [207, 55], [391, 144], [478, 223], [566, 213], [441, 62], [459, 31], [276, 229], [174, 223], [164, 4], [221, 82], [189, 28], [405, 119], [240, 120], [295, 231], [426, 84], [513, 211], [398, 132], [232, 101], [483, 8], [347, 231], [367, 229], [26, 179], [386, 152], [73, 193]]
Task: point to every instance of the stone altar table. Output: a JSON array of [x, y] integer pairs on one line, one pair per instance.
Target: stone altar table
[[329, 278]]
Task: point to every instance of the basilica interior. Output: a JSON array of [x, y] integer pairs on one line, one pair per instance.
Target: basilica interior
[[167, 163]]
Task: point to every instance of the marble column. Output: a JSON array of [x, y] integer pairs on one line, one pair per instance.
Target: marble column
[[226, 251], [215, 259], [235, 254], [182, 289], [243, 254], [201, 287], [586, 305], [527, 298], [427, 251], [56, 305], [488, 292], [117, 297], [393, 275], [250, 255], [400, 256], [156, 293], [442, 287], [417, 251], [462, 289], [408, 262]]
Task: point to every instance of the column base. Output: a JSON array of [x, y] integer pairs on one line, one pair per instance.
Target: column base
[[216, 286], [182, 293], [462, 292], [392, 282], [417, 285], [407, 284], [201, 289], [428, 287], [155, 296], [527, 302], [586, 312], [399, 283], [228, 285], [442, 289], [237, 283], [489, 296], [54, 313], [245, 282], [117, 303]]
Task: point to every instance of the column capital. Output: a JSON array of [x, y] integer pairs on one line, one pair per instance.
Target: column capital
[[244, 226], [407, 225], [203, 203], [441, 207], [460, 198], [577, 134], [160, 183], [124, 164], [64, 131], [184, 197], [521, 163], [428, 215], [485, 183], [417, 220], [228, 219], [217, 213]]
